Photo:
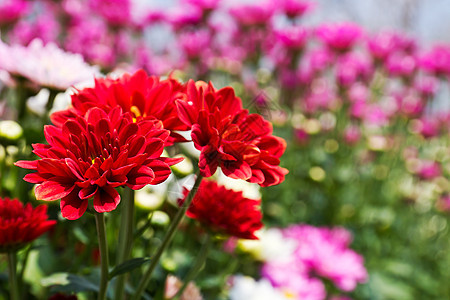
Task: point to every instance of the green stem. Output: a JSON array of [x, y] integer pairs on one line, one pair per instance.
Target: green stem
[[199, 262], [104, 261], [49, 106], [2, 172], [140, 231], [125, 238], [12, 262], [22, 93], [167, 238], [24, 264]]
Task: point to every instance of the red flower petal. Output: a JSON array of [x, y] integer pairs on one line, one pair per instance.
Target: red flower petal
[[87, 192], [106, 199], [161, 170], [237, 170], [72, 207], [225, 211], [21, 224], [26, 164], [50, 190], [140, 177]]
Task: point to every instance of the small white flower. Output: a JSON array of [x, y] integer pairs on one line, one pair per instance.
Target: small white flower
[[247, 288], [270, 246], [38, 102]]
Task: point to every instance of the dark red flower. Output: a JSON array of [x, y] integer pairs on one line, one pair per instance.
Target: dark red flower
[[60, 296], [21, 224], [241, 144], [225, 211], [91, 155], [146, 97]]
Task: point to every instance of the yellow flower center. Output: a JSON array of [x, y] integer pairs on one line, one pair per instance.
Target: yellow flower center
[[137, 113]]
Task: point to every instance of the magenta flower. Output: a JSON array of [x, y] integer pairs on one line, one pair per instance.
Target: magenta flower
[[427, 127], [352, 134], [429, 170], [321, 96], [206, 5], [402, 65], [383, 44], [320, 251], [253, 14], [292, 277], [295, 8], [301, 136], [183, 16], [115, 12], [340, 37], [353, 67], [45, 27], [427, 86], [292, 37], [437, 60], [319, 59], [409, 103], [12, 10], [91, 39], [443, 204], [195, 43]]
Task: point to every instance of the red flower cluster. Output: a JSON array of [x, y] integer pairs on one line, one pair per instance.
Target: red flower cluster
[[20, 225], [229, 137], [146, 97], [114, 134], [91, 155], [225, 211]]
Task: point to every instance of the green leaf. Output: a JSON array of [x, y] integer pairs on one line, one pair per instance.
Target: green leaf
[[128, 265], [69, 283]]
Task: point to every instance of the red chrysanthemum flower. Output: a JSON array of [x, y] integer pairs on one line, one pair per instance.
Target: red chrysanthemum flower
[[225, 211], [90, 156], [20, 225], [146, 97], [229, 137]]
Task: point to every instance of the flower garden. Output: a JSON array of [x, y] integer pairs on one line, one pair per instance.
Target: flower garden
[[219, 151]]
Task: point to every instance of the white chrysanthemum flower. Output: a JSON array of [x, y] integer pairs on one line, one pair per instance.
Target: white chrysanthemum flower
[[247, 288], [270, 246], [46, 65]]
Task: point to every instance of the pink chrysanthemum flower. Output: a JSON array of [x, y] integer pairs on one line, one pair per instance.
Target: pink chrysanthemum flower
[[340, 37], [321, 251]]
